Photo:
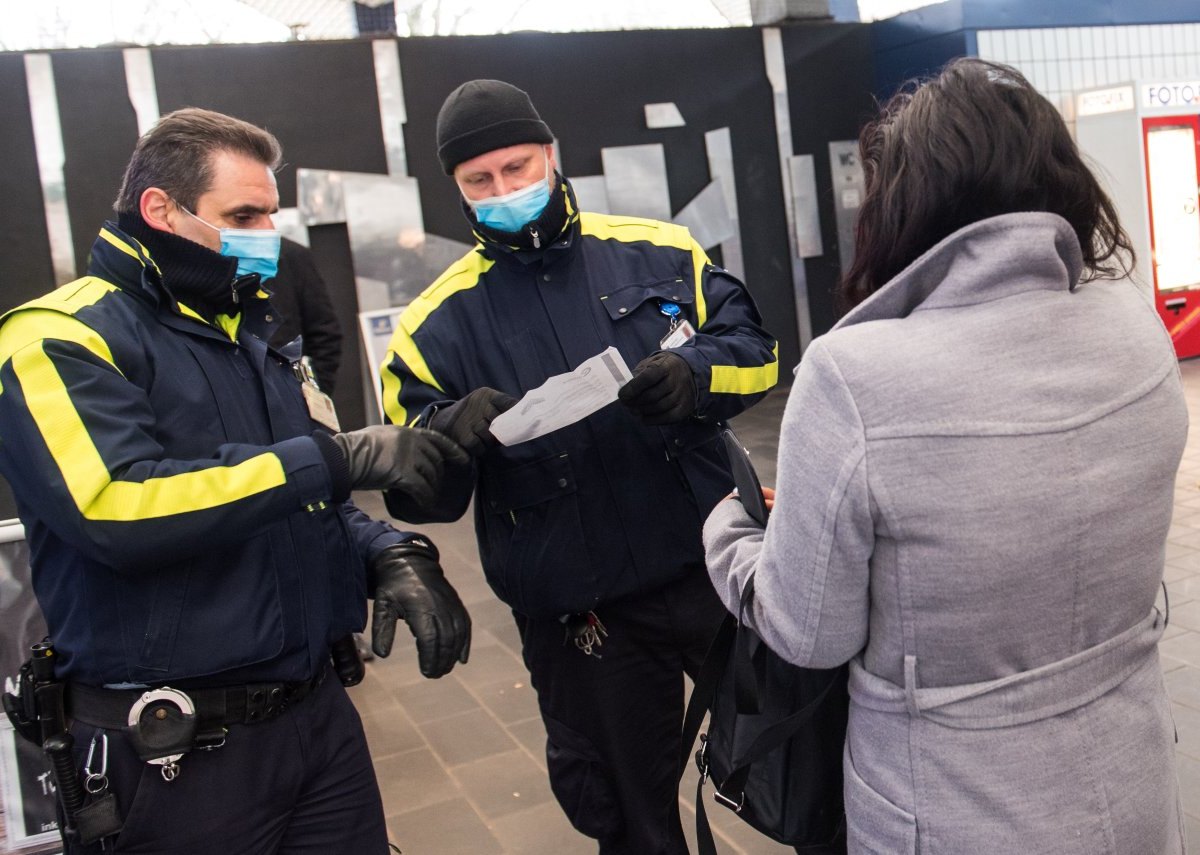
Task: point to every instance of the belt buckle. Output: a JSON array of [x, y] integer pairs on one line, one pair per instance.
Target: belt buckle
[[168, 695]]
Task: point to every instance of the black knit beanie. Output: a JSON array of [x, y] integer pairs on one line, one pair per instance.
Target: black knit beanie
[[482, 116]]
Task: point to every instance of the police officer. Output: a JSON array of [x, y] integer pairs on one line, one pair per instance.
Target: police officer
[[185, 491], [590, 533]]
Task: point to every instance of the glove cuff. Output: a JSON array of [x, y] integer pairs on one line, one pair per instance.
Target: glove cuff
[[417, 545], [400, 554], [336, 463]]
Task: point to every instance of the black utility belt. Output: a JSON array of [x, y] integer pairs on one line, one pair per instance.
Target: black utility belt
[[221, 706]]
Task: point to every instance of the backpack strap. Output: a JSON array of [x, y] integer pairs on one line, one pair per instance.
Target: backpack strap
[[704, 690]]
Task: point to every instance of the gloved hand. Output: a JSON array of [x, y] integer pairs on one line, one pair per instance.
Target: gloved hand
[[662, 391], [467, 420], [388, 457], [407, 582]]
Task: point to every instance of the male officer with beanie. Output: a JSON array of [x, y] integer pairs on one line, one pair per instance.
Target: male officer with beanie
[[590, 533], [185, 491]]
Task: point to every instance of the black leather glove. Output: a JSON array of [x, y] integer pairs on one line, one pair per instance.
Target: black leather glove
[[467, 420], [407, 583], [388, 457], [347, 662], [662, 391]]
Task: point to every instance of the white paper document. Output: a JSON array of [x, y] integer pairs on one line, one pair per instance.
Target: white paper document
[[564, 399]]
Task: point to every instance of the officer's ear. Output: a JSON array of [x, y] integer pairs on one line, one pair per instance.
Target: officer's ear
[[158, 210]]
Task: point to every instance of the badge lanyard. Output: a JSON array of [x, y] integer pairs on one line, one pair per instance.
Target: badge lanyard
[[680, 331]]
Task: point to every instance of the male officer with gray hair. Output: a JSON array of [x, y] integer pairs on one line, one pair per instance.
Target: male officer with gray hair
[[590, 533]]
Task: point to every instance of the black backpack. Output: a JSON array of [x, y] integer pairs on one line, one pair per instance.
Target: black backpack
[[773, 749]]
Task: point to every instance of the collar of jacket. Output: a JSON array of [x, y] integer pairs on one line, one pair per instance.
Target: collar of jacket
[[560, 219], [173, 272], [987, 260]]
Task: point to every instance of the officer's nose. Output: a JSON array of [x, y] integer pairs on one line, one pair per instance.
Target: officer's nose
[[504, 186]]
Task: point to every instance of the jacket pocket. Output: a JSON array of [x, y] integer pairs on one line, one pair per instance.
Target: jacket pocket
[[873, 824], [638, 324], [537, 555], [625, 301], [580, 782]]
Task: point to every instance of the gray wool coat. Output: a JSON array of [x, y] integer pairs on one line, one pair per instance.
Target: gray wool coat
[[975, 480]]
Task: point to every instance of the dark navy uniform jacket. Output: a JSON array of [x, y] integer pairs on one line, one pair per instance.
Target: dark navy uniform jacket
[[606, 507], [176, 505]]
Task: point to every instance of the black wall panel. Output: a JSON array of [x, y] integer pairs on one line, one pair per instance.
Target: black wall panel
[[829, 89], [318, 98], [99, 131], [25, 267]]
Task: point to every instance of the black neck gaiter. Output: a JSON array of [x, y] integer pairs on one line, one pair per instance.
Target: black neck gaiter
[[194, 275]]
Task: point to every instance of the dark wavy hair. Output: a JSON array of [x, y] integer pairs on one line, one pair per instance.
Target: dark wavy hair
[[974, 142]]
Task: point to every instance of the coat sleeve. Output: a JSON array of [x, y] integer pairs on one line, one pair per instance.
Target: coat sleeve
[[77, 443], [734, 361], [372, 536], [412, 388], [811, 563]]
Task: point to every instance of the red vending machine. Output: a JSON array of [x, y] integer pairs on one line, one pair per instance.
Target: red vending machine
[[1145, 141]]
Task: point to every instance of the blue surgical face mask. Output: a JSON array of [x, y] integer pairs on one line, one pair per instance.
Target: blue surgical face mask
[[256, 250], [510, 212]]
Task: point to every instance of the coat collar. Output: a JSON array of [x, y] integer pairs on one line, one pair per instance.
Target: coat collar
[[987, 260], [121, 259]]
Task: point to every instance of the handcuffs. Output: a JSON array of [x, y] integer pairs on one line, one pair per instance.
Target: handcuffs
[[163, 737]]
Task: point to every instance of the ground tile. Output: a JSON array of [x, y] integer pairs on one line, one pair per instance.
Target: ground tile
[[466, 737], [445, 828], [509, 700], [542, 830], [503, 784], [434, 699], [412, 780], [489, 663]]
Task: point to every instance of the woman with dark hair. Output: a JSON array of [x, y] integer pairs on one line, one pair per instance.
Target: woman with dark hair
[[975, 480]]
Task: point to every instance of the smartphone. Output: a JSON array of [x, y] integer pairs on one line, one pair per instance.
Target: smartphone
[[744, 477]]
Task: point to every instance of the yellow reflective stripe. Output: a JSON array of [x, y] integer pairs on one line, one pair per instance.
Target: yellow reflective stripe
[[88, 480], [230, 324], [32, 325], [69, 298], [463, 275], [129, 249], [392, 408], [190, 313], [109, 237], [403, 347], [733, 380], [633, 229], [699, 263]]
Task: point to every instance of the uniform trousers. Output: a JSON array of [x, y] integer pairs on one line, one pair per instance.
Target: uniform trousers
[[614, 721], [297, 784]]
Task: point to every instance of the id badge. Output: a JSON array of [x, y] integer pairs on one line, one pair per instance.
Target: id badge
[[679, 334], [320, 407]]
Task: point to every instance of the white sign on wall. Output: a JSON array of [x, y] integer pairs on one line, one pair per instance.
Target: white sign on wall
[[1178, 94], [1098, 101]]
